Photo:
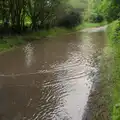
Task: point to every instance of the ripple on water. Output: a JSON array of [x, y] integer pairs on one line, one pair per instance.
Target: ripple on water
[[51, 88]]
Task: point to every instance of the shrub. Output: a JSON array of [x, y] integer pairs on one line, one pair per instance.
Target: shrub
[[110, 9], [113, 32], [96, 18], [70, 20]]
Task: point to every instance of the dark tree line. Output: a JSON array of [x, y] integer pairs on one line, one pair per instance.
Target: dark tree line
[[20, 15]]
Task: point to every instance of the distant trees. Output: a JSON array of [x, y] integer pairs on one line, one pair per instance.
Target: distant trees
[[40, 12], [18, 15], [93, 13], [108, 9], [72, 19]]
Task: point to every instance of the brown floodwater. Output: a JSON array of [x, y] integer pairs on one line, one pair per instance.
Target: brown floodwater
[[50, 79]]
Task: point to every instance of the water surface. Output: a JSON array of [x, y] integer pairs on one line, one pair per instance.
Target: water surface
[[50, 79]]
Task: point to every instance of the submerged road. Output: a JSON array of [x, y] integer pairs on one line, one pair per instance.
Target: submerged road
[[50, 79]]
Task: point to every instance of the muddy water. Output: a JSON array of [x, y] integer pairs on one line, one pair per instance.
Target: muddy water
[[50, 79]]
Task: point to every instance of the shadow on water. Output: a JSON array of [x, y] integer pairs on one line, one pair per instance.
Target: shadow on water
[[50, 79]]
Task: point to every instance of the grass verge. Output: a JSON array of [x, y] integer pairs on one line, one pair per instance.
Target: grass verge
[[113, 32], [90, 25]]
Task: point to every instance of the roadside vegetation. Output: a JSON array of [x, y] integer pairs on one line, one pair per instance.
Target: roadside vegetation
[[109, 10], [113, 32]]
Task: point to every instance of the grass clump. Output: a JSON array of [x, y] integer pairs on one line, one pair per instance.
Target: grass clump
[[10, 42], [51, 32]]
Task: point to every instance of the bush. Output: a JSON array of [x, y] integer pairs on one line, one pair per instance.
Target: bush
[[96, 18], [70, 20], [110, 9], [113, 31]]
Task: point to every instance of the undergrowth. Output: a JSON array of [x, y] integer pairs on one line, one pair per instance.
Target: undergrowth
[[113, 32]]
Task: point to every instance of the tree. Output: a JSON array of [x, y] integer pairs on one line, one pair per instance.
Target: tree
[[110, 9], [42, 13]]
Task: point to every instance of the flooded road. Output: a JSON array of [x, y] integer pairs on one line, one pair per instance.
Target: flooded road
[[50, 79]]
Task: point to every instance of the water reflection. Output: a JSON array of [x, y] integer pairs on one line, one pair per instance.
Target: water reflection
[[29, 54], [55, 81], [78, 86]]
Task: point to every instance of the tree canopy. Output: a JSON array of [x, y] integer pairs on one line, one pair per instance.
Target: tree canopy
[[17, 15], [109, 9]]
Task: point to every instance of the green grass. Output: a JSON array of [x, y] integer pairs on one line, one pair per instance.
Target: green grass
[[90, 25], [109, 75], [51, 32], [11, 42], [27, 20], [47, 33], [113, 32]]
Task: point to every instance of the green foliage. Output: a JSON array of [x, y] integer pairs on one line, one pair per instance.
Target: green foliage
[[114, 31], [96, 18], [47, 33], [10, 42], [110, 9], [90, 25], [107, 9], [93, 13], [15, 15], [114, 41], [24, 15]]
